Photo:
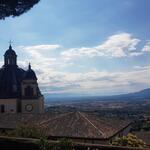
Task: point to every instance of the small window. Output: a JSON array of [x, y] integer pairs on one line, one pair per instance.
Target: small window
[[8, 61], [28, 91]]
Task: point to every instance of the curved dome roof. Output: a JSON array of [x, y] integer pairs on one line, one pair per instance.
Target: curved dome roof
[[10, 79], [30, 74], [10, 51]]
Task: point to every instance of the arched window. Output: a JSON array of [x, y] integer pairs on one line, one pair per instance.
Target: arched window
[[28, 91], [8, 61]]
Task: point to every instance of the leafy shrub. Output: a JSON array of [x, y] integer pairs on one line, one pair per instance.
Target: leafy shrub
[[129, 140], [63, 144], [26, 132], [44, 144]]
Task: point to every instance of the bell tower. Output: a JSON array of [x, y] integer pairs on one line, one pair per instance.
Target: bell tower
[[32, 99], [29, 85]]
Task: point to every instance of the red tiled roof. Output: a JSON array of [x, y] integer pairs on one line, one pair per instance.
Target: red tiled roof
[[74, 124], [81, 125], [12, 121]]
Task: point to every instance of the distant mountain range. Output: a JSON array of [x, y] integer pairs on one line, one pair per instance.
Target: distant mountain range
[[144, 94], [141, 95]]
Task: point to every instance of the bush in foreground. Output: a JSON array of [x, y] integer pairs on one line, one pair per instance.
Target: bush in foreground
[[26, 132], [130, 140], [63, 144]]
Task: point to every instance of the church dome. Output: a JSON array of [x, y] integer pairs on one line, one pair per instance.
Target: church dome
[[30, 74], [10, 52], [10, 79], [10, 76]]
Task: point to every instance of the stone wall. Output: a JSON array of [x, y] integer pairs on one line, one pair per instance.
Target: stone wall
[[18, 144], [10, 105], [31, 144]]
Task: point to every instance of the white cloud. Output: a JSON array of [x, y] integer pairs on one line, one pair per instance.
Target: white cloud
[[37, 51], [146, 47], [40, 55], [99, 82], [119, 45], [42, 47], [136, 54], [54, 79]]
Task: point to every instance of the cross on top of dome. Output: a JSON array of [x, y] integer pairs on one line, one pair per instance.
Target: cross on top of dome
[[10, 42]]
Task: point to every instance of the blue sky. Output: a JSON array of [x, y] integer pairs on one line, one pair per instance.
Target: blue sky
[[90, 47]]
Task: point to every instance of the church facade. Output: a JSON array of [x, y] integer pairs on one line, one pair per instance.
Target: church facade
[[19, 91]]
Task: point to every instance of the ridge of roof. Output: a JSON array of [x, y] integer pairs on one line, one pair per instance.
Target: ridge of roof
[[91, 123], [88, 121]]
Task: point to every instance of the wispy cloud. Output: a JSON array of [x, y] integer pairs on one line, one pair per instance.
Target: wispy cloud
[[53, 78], [37, 51], [146, 47], [118, 45], [99, 82]]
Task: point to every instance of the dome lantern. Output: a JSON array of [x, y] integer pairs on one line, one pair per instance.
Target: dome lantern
[[10, 57]]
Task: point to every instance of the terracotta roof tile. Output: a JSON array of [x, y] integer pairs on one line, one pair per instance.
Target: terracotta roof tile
[[73, 124], [79, 124]]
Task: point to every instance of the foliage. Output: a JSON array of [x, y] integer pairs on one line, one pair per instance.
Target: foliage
[[15, 7], [141, 125], [44, 144], [63, 144], [26, 132], [129, 140]]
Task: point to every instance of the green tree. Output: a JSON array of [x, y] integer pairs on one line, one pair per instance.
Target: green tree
[[44, 144], [130, 140], [15, 7], [63, 144]]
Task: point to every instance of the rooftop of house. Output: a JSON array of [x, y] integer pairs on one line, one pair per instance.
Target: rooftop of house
[[82, 125], [73, 124], [12, 121]]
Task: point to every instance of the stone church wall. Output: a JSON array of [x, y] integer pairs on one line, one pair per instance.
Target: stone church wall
[[10, 105], [33, 106]]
